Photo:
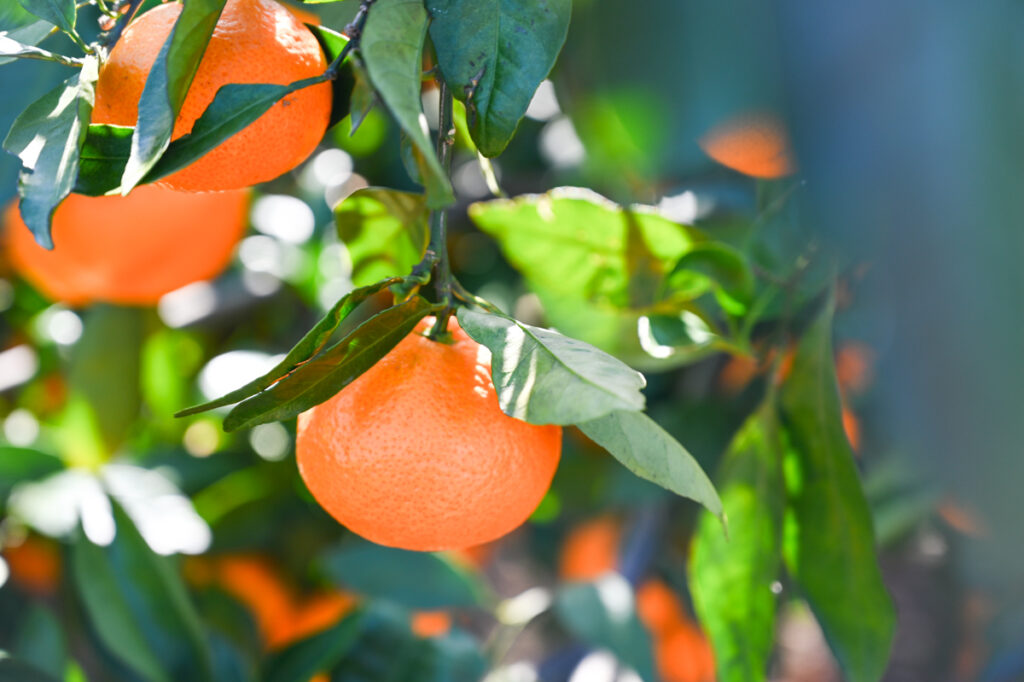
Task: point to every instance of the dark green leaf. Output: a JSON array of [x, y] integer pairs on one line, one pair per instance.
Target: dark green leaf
[[731, 577], [40, 641], [303, 660], [455, 657], [392, 48], [651, 453], [333, 44], [105, 369], [603, 615], [308, 346], [233, 108], [60, 13], [544, 377], [384, 230], [573, 242], [21, 465], [104, 153], [320, 378], [166, 86], [363, 96], [13, 670], [493, 54], [718, 265], [48, 137], [416, 580], [833, 555], [139, 607]]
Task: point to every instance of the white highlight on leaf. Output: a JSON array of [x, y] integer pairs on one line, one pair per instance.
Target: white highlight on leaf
[[17, 365], [616, 595], [524, 607]]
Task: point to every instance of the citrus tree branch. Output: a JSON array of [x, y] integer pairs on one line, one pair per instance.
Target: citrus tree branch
[[439, 218]]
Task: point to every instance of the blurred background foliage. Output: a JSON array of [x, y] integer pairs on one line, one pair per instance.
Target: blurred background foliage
[[139, 546]]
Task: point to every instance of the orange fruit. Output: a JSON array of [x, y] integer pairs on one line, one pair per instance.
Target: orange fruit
[[129, 250], [428, 624], [684, 655], [314, 615], [658, 607], [34, 565], [591, 549], [256, 583], [417, 454], [753, 144], [255, 41]]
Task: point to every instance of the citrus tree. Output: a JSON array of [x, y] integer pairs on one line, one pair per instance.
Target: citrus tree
[[443, 394]]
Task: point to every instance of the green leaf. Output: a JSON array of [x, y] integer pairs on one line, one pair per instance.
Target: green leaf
[[415, 580], [27, 35], [320, 378], [384, 230], [544, 377], [651, 453], [40, 641], [14, 670], [731, 577], [301, 661], [105, 369], [166, 86], [392, 49], [493, 54], [139, 607], [60, 13], [718, 265], [308, 346], [48, 137], [104, 153], [833, 557], [22, 465], [573, 242], [603, 615], [686, 334]]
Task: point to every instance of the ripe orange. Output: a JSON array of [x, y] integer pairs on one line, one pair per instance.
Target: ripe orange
[[591, 549], [130, 250], [255, 41], [754, 144], [427, 624], [417, 454], [35, 565], [684, 655]]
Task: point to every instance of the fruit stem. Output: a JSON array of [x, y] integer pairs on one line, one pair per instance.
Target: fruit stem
[[111, 38], [438, 246]]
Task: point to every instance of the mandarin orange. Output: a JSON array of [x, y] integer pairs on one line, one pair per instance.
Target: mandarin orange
[[417, 454], [129, 250], [255, 41]]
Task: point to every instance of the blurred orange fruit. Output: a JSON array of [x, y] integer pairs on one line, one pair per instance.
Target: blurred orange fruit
[[427, 624], [854, 366], [753, 144], [255, 41], [591, 549], [34, 565], [658, 607], [683, 655], [256, 583], [315, 614], [417, 454], [130, 250]]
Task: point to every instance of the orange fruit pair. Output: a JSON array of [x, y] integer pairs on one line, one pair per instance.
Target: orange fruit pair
[[417, 454], [255, 41], [129, 250]]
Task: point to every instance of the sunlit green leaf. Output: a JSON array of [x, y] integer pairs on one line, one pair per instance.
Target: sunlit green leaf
[[416, 580], [392, 47], [731, 577], [603, 615], [320, 378], [48, 138], [384, 230], [308, 346], [166, 86], [544, 377], [718, 265], [833, 556], [651, 453], [105, 369], [139, 607], [20, 26], [21, 465], [494, 54], [573, 242], [101, 162]]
